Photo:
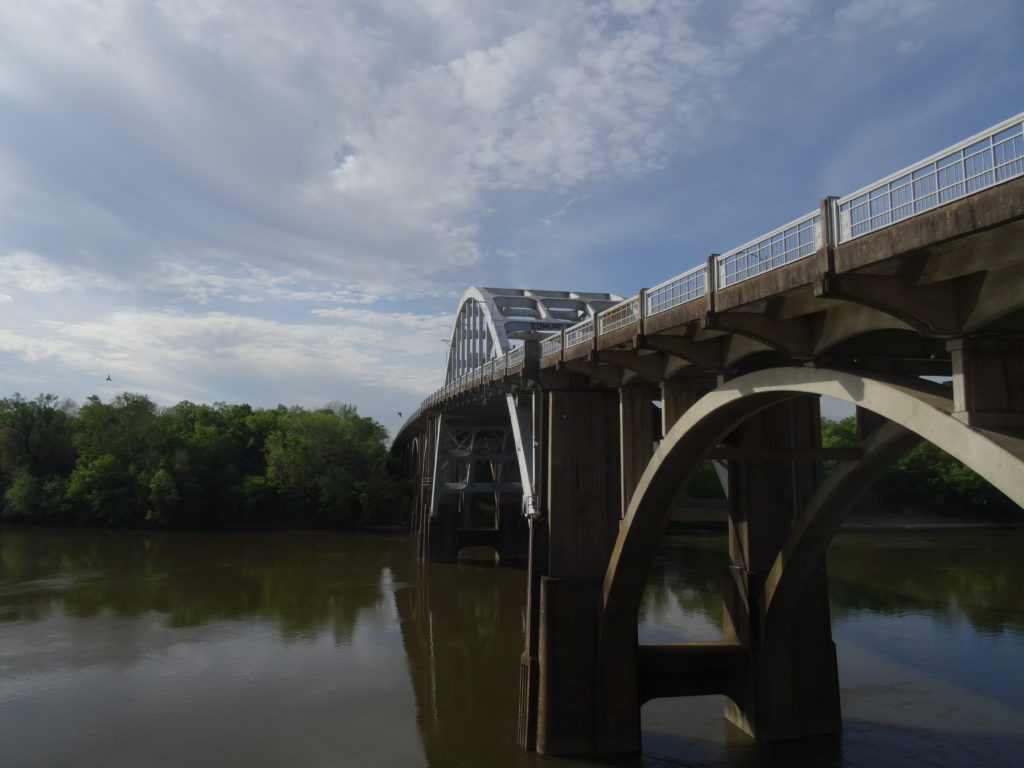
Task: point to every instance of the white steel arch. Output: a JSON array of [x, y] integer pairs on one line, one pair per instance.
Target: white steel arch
[[490, 320]]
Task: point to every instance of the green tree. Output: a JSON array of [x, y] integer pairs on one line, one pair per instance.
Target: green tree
[[329, 464], [36, 451], [106, 490]]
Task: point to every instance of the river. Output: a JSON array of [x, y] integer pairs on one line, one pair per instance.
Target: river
[[279, 649]]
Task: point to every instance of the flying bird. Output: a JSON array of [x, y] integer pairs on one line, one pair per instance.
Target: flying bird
[[108, 377], [399, 414]]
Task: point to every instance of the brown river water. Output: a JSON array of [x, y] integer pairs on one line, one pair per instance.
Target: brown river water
[[280, 649]]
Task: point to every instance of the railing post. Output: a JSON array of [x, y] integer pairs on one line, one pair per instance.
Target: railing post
[[829, 233], [712, 282], [531, 360]]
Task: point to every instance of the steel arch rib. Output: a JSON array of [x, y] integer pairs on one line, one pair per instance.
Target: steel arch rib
[[497, 333], [920, 406]]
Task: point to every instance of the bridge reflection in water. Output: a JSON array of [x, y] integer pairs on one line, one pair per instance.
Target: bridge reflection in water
[[925, 622], [570, 424]]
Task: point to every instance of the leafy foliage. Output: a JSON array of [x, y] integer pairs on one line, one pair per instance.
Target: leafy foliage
[[925, 478], [130, 463]]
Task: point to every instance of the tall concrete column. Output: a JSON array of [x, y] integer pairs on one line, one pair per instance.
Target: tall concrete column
[[636, 439], [583, 504], [676, 399], [425, 491], [792, 687], [512, 530]]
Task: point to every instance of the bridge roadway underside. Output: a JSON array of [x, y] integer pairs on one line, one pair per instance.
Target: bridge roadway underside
[[620, 424]]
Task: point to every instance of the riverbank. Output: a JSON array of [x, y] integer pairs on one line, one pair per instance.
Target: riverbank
[[906, 520]]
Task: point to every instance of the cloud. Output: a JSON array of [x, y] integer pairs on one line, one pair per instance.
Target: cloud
[[885, 13], [757, 23], [356, 141], [178, 354], [201, 282], [30, 272]]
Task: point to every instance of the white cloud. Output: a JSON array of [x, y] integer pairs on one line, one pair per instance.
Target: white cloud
[[884, 12], [217, 279], [357, 141], [25, 271], [759, 22], [179, 353]]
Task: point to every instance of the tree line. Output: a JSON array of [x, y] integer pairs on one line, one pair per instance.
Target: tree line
[[131, 463]]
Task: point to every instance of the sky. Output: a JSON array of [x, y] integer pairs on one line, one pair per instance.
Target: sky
[[282, 201]]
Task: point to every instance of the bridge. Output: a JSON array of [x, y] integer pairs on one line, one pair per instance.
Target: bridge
[[570, 424]]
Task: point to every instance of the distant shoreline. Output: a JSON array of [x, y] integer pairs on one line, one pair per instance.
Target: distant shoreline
[[931, 523]]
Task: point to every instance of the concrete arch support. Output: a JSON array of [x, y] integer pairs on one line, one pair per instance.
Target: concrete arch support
[[777, 635], [920, 406]]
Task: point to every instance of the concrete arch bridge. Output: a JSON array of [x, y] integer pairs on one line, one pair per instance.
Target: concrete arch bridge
[[569, 422]]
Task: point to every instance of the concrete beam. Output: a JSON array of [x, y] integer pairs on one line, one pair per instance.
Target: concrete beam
[[794, 337], [705, 354], [931, 309]]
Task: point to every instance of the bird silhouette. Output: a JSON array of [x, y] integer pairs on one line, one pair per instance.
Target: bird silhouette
[[108, 377], [399, 414]]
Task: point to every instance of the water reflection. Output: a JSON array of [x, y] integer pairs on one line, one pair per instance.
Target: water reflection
[[269, 649], [945, 574], [929, 629], [975, 574], [304, 583], [462, 629]]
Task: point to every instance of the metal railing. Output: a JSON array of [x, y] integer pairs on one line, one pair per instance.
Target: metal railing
[[551, 345], [679, 290], [793, 241], [624, 313], [579, 333], [984, 160]]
